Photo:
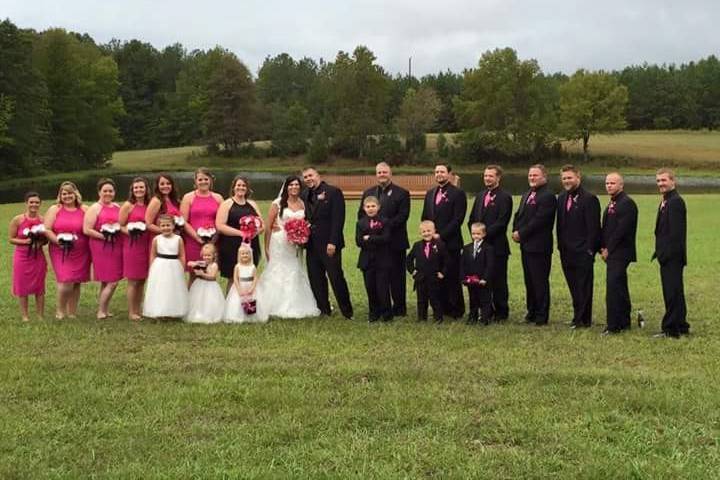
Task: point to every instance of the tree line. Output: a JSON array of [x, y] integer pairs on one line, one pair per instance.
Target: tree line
[[67, 102]]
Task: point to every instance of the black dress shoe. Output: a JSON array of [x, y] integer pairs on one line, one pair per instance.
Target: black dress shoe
[[387, 319], [422, 319], [399, 313], [471, 320], [439, 321], [371, 319]]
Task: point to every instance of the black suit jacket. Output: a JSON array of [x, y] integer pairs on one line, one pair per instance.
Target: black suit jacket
[[578, 229], [496, 217], [395, 207], [427, 268], [534, 221], [375, 251], [671, 229], [619, 228], [325, 210], [480, 265], [448, 215]]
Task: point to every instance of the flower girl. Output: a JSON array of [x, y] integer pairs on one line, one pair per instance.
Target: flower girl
[[166, 294], [207, 301], [241, 306]]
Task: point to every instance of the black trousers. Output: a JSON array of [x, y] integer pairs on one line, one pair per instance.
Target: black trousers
[[322, 267], [377, 286], [429, 291], [674, 321], [499, 288], [617, 296], [579, 275], [398, 290], [536, 272], [453, 299], [480, 303]]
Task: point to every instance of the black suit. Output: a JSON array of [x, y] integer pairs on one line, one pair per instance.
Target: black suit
[[446, 206], [427, 284], [479, 262], [534, 221], [496, 217], [374, 261], [671, 252], [578, 236], [395, 207], [619, 226], [325, 208]]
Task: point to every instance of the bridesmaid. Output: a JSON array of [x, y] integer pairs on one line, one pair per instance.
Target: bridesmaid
[[103, 229], [136, 244], [69, 250], [29, 264], [199, 207], [164, 200], [226, 222]]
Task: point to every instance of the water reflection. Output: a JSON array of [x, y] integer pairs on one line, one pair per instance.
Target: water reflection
[[266, 185]]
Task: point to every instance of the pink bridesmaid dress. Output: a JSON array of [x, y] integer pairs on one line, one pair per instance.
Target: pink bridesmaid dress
[[136, 250], [29, 265], [107, 256], [202, 215], [73, 265]]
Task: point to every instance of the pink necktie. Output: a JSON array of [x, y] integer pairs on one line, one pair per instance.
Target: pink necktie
[[662, 205], [568, 204], [438, 196], [487, 199], [530, 199], [427, 249]]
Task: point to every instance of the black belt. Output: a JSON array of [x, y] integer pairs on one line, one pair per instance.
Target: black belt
[[247, 279], [169, 257]]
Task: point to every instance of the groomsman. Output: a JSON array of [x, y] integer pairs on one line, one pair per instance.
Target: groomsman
[[446, 205], [493, 207], [532, 229], [617, 248], [325, 210], [395, 208], [671, 252], [578, 236]]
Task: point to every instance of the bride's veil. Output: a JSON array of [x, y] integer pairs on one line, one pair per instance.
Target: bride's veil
[[278, 199]]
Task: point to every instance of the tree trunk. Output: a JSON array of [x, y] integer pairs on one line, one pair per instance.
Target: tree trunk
[[586, 140]]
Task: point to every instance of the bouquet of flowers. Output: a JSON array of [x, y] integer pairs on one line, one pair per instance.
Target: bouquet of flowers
[[206, 234], [471, 280], [297, 231], [179, 223], [66, 241], [136, 229], [249, 306], [376, 224], [36, 234], [200, 265], [249, 227], [110, 231]]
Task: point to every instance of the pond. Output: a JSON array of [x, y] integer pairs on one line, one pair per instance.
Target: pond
[[266, 185]]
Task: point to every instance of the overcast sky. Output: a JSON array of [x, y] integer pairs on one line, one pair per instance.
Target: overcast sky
[[562, 35]]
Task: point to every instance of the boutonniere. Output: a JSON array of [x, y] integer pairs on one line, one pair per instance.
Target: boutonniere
[[389, 193], [611, 208], [434, 248], [375, 225], [321, 196]]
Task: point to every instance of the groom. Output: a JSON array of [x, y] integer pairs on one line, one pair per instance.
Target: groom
[[325, 210]]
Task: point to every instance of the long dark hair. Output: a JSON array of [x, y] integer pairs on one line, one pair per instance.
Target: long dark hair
[[284, 193], [172, 196], [146, 199]]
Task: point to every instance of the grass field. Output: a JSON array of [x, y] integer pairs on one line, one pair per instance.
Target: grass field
[[343, 399]]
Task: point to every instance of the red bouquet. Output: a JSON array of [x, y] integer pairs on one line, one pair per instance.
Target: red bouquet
[[297, 231], [471, 280], [249, 227]]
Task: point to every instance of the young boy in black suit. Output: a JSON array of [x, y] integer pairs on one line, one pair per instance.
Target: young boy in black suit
[[476, 270], [427, 262], [372, 236]]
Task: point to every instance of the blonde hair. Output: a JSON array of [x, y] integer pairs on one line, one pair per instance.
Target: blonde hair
[[69, 187], [371, 199], [427, 223], [666, 171], [244, 247], [211, 247], [478, 225]]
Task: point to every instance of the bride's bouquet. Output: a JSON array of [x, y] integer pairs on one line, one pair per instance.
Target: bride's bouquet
[[297, 231], [66, 241], [179, 223], [36, 235], [249, 227], [135, 230], [110, 231]]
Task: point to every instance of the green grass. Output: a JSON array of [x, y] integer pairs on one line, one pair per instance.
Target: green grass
[[338, 399]]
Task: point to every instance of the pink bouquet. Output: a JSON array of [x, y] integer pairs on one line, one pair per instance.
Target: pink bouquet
[[297, 231], [249, 227]]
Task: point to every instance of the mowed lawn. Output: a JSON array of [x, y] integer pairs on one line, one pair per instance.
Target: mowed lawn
[[334, 398]]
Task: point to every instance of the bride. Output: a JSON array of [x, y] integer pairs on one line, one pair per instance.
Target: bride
[[284, 289]]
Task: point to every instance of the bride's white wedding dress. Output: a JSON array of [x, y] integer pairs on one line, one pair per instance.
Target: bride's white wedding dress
[[284, 289]]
